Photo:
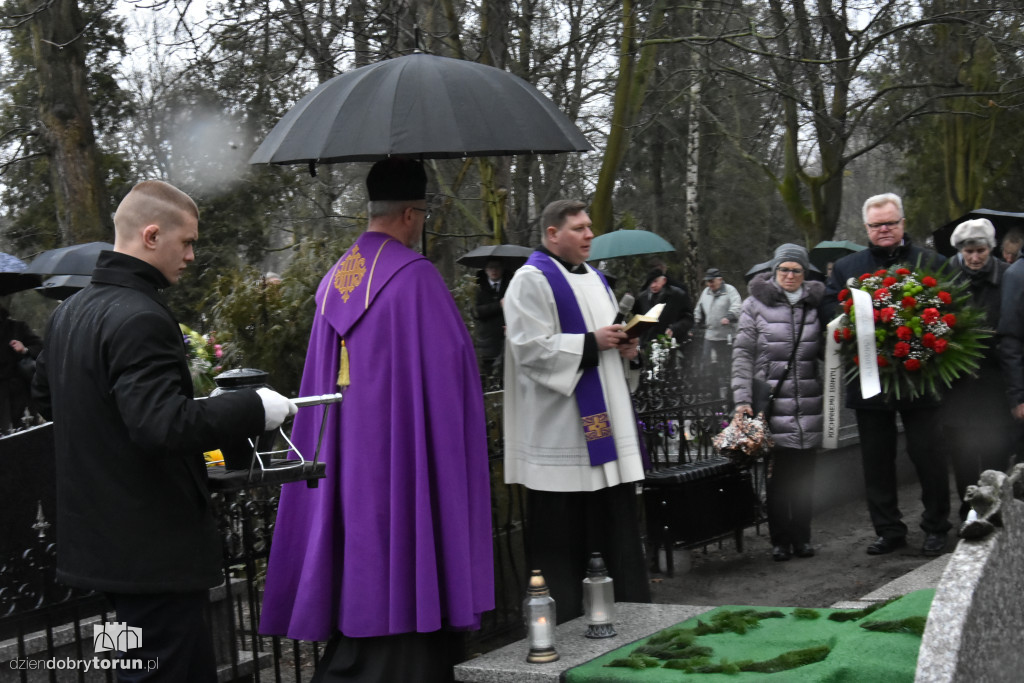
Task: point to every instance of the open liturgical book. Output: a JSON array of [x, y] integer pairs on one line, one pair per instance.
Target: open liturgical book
[[641, 322]]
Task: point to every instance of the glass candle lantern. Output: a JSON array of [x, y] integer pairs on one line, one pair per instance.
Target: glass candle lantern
[[539, 613], [598, 599]]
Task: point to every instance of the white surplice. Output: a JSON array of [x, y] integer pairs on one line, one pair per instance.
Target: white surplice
[[545, 449]]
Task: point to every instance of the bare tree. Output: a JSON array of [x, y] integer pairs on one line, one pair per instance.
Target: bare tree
[[813, 66]]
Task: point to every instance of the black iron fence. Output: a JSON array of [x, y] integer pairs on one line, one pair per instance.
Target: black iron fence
[[679, 409]]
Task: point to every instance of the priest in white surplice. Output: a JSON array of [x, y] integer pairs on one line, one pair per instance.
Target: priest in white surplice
[[570, 430]]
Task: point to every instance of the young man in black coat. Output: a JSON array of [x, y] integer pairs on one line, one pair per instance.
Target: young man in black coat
[[876, 416], [133, 510]]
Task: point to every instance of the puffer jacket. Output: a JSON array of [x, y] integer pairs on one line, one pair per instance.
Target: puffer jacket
[[764, 342]]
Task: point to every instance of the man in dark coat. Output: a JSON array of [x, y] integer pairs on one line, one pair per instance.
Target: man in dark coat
[[133, 511], [489, 331], [677, 317], [876, 416], [1011, 346], [19, 345]]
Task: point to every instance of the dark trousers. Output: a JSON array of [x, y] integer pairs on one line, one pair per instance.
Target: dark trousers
[[175, 637], [878, 434], [790, 494], [978, 430], [562, 529], [406, 657]]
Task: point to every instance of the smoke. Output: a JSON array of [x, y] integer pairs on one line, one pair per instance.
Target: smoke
[[209, 151]]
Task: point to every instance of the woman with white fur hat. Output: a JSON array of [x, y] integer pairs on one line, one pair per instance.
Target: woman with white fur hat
[[977, 420]]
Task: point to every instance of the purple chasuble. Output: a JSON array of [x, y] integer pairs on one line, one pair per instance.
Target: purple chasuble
[[597, 428], [397, 538]]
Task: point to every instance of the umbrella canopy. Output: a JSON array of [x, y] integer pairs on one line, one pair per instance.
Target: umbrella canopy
[[78, 259], [512, 254], [423, 106], [13, 277], [60, 287], [757, 268], [1003, 221], [832, 250], [627, 243]]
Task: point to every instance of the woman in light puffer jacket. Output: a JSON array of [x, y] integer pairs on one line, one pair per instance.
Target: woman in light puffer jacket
[[769, 325]]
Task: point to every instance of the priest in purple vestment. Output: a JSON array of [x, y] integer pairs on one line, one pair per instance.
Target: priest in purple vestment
[[391, 553]]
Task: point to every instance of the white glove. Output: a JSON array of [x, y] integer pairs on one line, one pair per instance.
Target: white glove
[[276, 408]]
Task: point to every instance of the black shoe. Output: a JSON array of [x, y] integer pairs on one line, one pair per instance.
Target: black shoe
[[883, 545], [934, 544], [803, 550], [780, 553]]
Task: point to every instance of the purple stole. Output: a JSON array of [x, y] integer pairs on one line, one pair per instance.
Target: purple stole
[[589, 392]]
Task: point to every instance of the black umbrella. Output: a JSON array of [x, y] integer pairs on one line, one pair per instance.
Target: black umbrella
[[78, 259], [13, 277], [832, 250], [60, 287], [1002, 221], [512, 254], [422, 106]]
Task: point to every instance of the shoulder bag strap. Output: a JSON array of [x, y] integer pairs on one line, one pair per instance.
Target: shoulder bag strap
[[792, 355]]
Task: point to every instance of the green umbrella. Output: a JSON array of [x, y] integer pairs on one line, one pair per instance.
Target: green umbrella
[[832, 250], [627, 243]]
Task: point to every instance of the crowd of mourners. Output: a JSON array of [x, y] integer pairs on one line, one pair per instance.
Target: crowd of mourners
[[389, 559]]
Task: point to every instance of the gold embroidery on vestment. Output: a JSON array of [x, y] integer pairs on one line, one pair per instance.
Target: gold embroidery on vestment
[[596, 426], [350, 273]]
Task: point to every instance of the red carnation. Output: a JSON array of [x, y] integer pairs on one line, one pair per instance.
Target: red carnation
[[882, 362], [912, 364], [887, 314], [928, 340], [929, 281], [864, 277], [901, 350], [835, 335], [880, 272], [904, 333], [889, 281], [902, 271], [949, 319], [908, 302], [856, 360], [843, 294], [940, 345], [880, 293], [930, 316], [876, 314], [945, 298], [847, 305], [847, 334]]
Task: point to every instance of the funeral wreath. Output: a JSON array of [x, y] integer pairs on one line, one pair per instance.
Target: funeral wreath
[[926, 335]]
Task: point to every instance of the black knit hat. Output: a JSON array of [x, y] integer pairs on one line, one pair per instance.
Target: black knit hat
[[396, 179]]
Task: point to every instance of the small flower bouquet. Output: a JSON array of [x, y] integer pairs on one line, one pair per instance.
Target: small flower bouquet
[[204, 354], [925, 333]]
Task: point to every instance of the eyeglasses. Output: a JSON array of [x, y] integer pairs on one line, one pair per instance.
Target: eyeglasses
[[887, 224], [426, 212], [791, 271]]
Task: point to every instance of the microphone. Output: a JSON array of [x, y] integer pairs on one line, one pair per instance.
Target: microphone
[[625, 308]]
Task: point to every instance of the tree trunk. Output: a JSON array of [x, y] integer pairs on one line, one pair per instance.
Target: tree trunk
[[692, 248], [630, 88], [59, 51]]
